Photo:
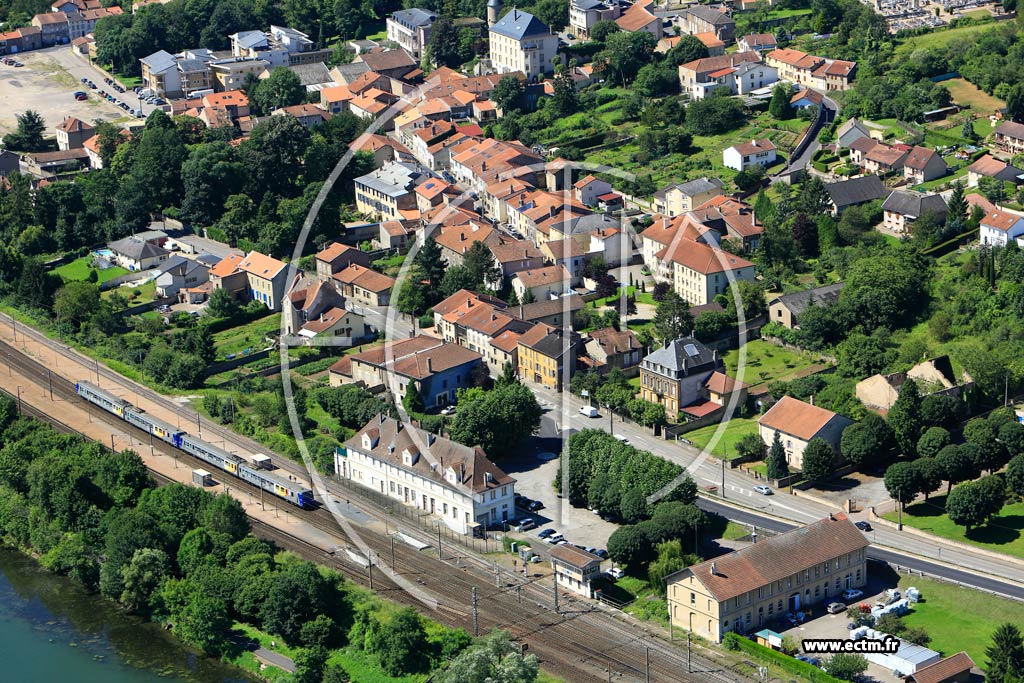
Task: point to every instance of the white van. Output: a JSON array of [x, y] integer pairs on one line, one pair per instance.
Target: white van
[[589, 411]]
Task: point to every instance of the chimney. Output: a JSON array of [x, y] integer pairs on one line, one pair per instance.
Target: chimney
[[831, 517], [430, 364], [812, 399], [462, 237], [714, 569], [430, 438], [382, 418], [462, 470]]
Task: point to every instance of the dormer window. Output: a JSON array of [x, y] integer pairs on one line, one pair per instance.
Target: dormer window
[[450, 477], [409, 458]]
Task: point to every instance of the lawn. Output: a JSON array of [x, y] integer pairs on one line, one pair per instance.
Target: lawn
[[249, 336], [641, 298], [735, 430], [135, 294], [940, 39], [1003, 534], [966, 93], [766, 363], [959, 618], [80, 267]]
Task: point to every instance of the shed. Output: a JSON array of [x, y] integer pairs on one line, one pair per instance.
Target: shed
[[955, 669], [202, 478], [907, 660], [769, 638]]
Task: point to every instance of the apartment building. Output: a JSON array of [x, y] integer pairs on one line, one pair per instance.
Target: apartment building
[[521, 42], [674, 374], [410, 28], [699, 272], [388, 193]]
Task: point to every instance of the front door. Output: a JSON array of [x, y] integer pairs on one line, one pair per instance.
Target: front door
[[794, 602]]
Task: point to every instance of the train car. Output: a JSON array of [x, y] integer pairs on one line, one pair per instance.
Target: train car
[[104, 399], [280, 486], [162, 430], [218, 457]]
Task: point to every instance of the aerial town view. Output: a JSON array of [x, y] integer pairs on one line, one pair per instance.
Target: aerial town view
[[482, 341]]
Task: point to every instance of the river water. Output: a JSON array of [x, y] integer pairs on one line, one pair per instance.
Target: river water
[[52, 631]]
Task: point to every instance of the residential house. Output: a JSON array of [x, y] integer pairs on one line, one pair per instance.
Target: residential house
[[846, 193], [481, 324], [178, 272], [640, 18], [266, 278], [715, 46], [748, 588], [138, 253], [576, 569], [516, 256], [786, 309], [397, 64], [24, 39], [797, 423], [45, 165], [812, 71], [999, 227], [901, 208], [234, 72], [610, 348], [335, 99], [757, 42], [365, 286], [520, 42], [53, 27], [394, 234], [1009, 137], [309, 115], [922, 165], [588, 188], [678, 199], [955, 669], [226, 275], [315, 309], [852, 129], [703, 19], [749, 154], [456, 240], [860, 148], [456, 484], [547, 282], [883, 160], [806, 98], [387, 193], [988, 166], [583, 14], [72, 133], [410, 28], [934, 376], [547, 356], [717, 394], [701, 76], [556, 312], [674, 374], [336, 257], [722, 218], [433, 368]]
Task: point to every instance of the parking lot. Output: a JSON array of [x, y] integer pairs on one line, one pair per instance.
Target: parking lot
[[46, 83]]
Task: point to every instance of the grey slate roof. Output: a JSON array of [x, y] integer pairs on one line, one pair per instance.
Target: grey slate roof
[[414, 17], [683, 355], [350, 72], [590, 223], [136, 249], [192, 65], [159, 61], [518, 25], [914, 204], [695, 187], [587, 4], [797, 302], [856, 191], [312, 74], [709, 15], [394, 179], [250, 39]]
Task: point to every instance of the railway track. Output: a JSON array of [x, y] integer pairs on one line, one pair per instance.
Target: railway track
[[579, 642]]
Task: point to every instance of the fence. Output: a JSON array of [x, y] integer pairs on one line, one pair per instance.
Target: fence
[[115, 282]]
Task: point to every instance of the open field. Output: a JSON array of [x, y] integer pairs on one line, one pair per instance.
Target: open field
[[726, 447], [80, 267], [966, 93], [940, 39], [959, 618], [1003, 534], [766, 363], [248, 336]]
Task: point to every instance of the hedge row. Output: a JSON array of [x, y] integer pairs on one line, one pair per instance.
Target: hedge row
[[734, 641]]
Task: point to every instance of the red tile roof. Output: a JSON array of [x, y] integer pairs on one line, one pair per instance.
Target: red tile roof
[[795, 417]]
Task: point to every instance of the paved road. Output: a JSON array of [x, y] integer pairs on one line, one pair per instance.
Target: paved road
[[831, 109]]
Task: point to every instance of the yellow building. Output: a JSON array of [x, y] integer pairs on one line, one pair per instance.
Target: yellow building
[[543, 354], [750, 588]]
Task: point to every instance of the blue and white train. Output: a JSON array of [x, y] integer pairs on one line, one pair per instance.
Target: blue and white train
[[281, 487]]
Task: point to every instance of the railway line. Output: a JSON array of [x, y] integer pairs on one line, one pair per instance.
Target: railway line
[[578, 641]]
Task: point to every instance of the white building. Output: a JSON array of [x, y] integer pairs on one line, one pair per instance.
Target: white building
[[583, 14], [410, 28], [998, 227], [522, 42], [754, 153], [455, 483]]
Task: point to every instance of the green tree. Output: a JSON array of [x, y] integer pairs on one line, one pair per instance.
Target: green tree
[[631, 547], [932, 441], [200, 547], [495, 658], [956, 465], [601, 30], [777, 467], [1005, 654], [972, 504], [224, 514], [297, 595], [221, 304], [142, 578], [931, 472], [818, 460], [983, 446], [905, 418], [480, 265], [1015, 475], [400, 643], [29, 135], [866, 442], [508, 94], [128, 530], [672, 318], [209, 175], [497, 420], [75, 302], [903, 482], [564, 100], [282, 88], [310, 664], [846, 667], [686, 50], [445, 43], [198, 619], [624, 54], [779, 107], [633, 507]]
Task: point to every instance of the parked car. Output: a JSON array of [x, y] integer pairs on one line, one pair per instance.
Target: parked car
[[852, 594], [589, 411], [616, 573], [602, 553], [554, 539], [621, 439], [83, 79], [763, 490], [863, 526], [82, 97], [545, 533], [535, 505], [526, 524], [835, 608]]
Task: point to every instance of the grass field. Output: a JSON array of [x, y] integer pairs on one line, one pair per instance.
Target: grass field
[[726, 446], [135, 294], [1003, 534], [249, 336], [959, 618], [766, 363], [641, 298], [80, 267], [966, 93], [940, 39]]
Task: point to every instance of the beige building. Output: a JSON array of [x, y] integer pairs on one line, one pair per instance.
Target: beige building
[[797, 423], [522, 42], [575, 568], [674, 375], [786, 309], [935, 376], [752, 587], [698, 272], [675, 200]]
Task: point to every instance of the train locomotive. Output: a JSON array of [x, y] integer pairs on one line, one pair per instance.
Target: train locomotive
[[276, 485]]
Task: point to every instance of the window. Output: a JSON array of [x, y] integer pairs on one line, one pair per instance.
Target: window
[[693, 598]]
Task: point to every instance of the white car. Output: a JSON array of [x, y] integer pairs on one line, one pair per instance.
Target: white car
[[763, 490], [448, 410], [616, 573], [589, 411], [621, 439], [852, 594]]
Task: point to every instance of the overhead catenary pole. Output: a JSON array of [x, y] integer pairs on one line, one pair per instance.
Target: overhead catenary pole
[[647, 663], [689, 663], [554, 584], [476, 616]]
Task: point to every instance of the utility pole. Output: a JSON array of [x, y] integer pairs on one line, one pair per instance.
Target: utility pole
[[519, 593], [49, 382], [439, 540], [97, 370], [647, 663], [20, 410], [392, 552], [899, 509], [689, 664], [723, 478], [497, 576], [554, 584], [111, 443], [369, 568], [476, 616]]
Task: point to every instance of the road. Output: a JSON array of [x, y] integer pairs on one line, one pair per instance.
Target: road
[[80, 67], [945, 559], [831, 109]]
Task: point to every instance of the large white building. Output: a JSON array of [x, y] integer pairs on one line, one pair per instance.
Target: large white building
[[521, 42], [410, 28], [455, 483]]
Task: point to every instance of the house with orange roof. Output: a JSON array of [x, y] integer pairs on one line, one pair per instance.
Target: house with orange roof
[[421, 135], [235, 103], [365, 286], [699, 272], [266, 278], [336, 257], [72, 133], [588, 188], [547, 282], [712, 42], [999, 227], [610, 348], [797, 423], [639, 18], [384, 149], [335, 99], [746, 155], [308, 115], [547, 356], [664, 231], [989, 167], [699, 77], [432, 193], [922, 164], [682, 197], [394, 234], [809, 70], [456, 240]]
